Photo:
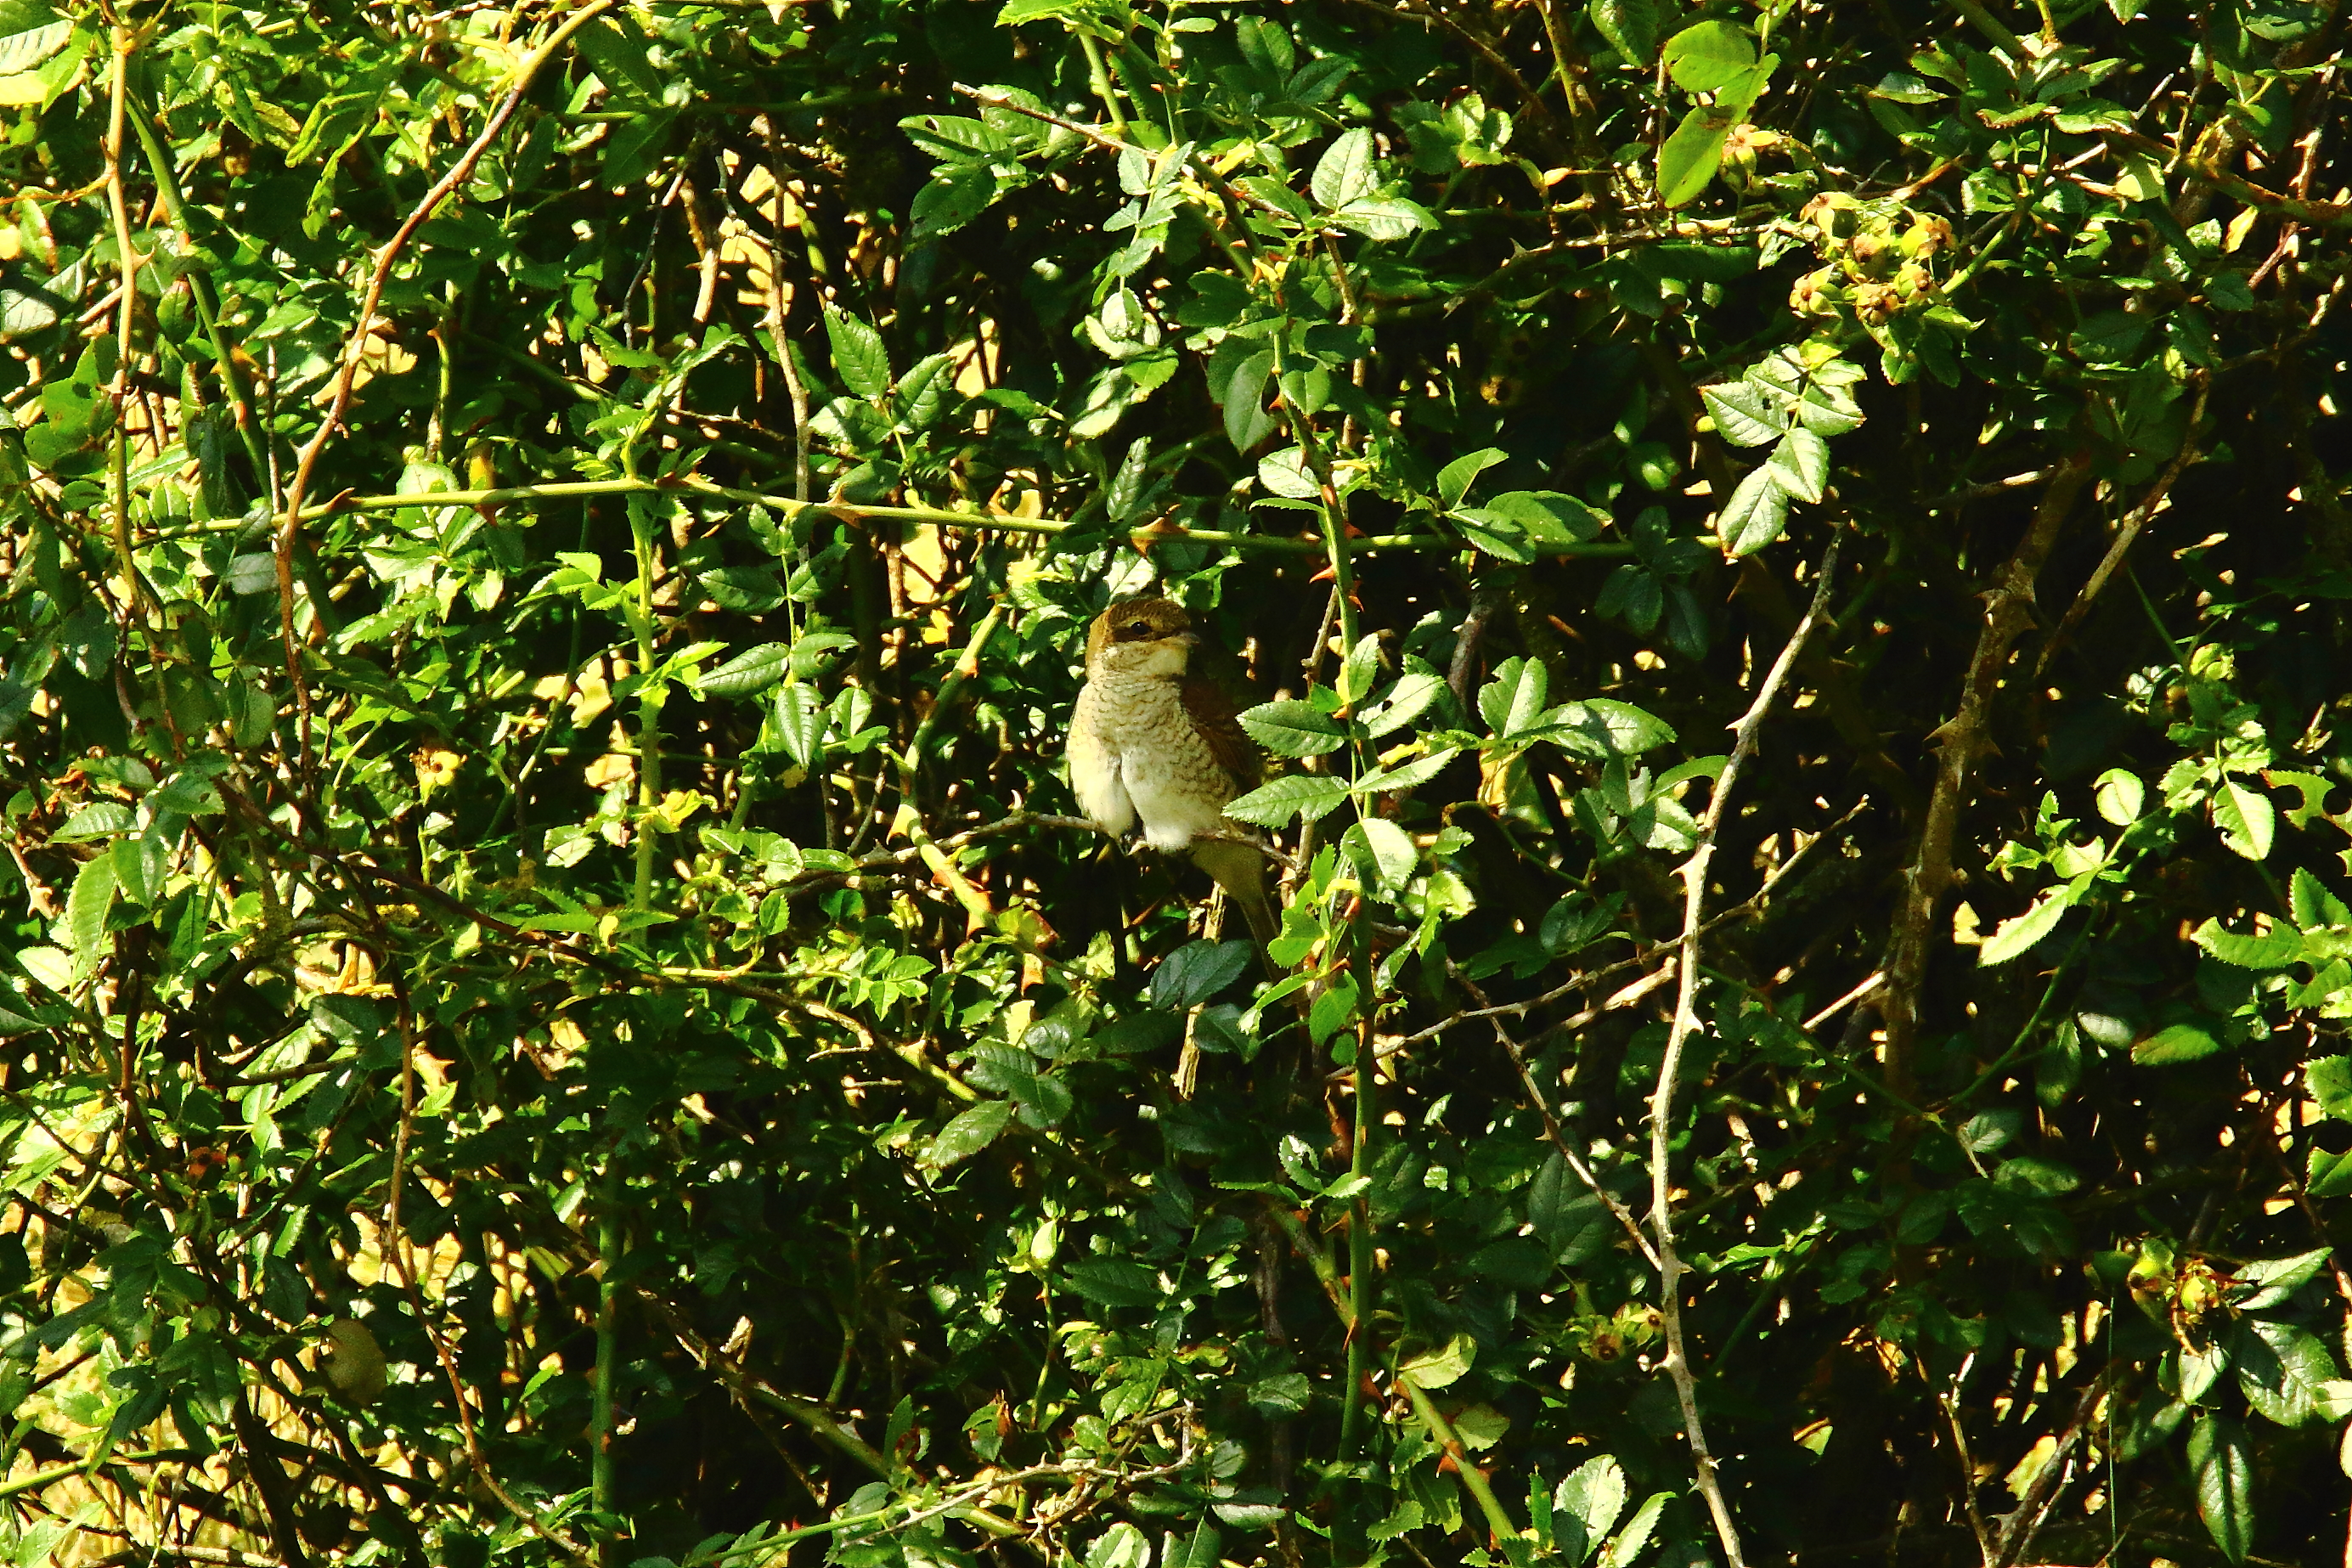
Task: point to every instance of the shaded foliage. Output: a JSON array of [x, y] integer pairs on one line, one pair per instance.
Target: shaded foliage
[[555, 1008]]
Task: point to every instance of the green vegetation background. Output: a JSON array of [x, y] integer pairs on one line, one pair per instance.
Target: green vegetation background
[[1792, 559]]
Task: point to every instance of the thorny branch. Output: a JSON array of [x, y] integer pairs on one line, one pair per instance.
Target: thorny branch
[[1694, 873], [2009, 608]]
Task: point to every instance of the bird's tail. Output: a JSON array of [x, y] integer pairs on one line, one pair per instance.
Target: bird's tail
[[1240, 870]]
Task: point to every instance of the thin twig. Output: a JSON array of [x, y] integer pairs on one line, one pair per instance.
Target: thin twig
[[356, 347], [1877, 978], [2128, 529], [794, 387], [397, 1252], [1648, 983], [1661, 1100], [1985, 490], [1142, 537], [1568, 1153], [2025, 1523], [1949, 1399]]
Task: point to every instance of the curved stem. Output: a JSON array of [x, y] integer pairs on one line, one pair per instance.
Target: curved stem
[[1661, 1098]]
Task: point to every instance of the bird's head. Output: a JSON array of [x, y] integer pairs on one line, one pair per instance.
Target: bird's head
[[1148, 637]]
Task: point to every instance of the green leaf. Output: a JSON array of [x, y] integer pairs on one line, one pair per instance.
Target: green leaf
[[2245, 818], [1120, 1546], [617, 50], [23, 49], [2329, 1081], [748, 673], [2269, 1282], [2311, 786], [1548, 519], [1594, 1495], [1043, 1099], [2179, 1043], [1574, 923], [1708, 57], [922, 394], [1480, 1425], [1512, 702], [1403, 703], [1691, 155], [1345, 172], [2043, 1178], [1494, 533], [634, 147], [1902, 87], [1202, 1552], [1744, 414], [1441, 1367], [2140, 177], [1630, 1541], [2314, 907], [17, 1014], [1333, 1010], [971, 1131], [1406, 774], [1276, 195], [1757, 513], [2328, 1175], [2274, 949], [2222, 1463], [858, 356], [1801, 464], [2093, 114], [98, 819], [2120, 796], [2017, 935], [1292, 728], [800, 722], [1113, 1282], [954, 137], [1197, 972], [86, 908], [1015, 12], [1384, 854], [1286, 474], [1384, 217], [1631, 26], [1987, 1131], [1602, 728], [1454, 480], [1248, 421], [1405, 1518], [954, 196], [1311, 796], [1360, 669]]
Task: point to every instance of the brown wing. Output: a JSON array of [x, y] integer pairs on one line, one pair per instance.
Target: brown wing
[[1212, 712]]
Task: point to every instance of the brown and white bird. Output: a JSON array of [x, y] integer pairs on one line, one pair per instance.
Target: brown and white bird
[[1149, 742]]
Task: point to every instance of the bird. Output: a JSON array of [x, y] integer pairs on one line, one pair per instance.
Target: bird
[[1153, 743]]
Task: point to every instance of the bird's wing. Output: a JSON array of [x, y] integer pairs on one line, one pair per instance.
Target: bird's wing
[[1212, 712]]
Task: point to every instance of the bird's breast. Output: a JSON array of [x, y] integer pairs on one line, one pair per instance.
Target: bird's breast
[[1163, 762]]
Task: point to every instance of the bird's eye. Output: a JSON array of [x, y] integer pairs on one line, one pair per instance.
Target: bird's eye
[[1138, 628]]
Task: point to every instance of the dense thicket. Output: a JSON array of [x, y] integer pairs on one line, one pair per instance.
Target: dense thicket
[[1792, 559]]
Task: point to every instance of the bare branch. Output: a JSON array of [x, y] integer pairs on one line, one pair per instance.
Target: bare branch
[[1661, 1100]]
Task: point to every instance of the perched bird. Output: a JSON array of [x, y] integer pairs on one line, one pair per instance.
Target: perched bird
[[1151, 742]]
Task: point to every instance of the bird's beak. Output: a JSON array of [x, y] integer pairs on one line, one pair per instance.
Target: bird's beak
[[1190, 639]]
